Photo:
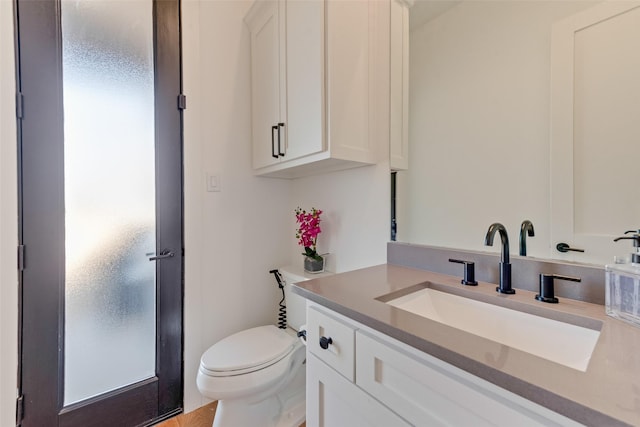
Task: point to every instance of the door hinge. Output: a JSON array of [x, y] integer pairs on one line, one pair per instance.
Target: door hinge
[[20, 257], [19, 105], [182, 102], [19, 410]]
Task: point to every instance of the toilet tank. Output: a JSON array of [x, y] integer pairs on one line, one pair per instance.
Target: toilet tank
[[296, 305]]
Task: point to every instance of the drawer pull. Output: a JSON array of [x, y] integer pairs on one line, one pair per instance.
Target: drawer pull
[[325, 342]]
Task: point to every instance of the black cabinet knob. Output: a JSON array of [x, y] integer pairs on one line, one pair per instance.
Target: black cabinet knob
[[325, 342]]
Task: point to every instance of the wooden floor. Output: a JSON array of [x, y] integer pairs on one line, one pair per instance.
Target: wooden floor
[[201, 417]]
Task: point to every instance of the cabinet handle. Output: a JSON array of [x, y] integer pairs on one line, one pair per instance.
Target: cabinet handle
[[280, 153], [325, 342], [273, 142]]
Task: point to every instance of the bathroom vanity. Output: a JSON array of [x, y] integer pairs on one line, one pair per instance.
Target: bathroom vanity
[[372, 361]]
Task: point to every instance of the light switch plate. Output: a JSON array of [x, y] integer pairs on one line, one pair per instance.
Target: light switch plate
[[213, 183]]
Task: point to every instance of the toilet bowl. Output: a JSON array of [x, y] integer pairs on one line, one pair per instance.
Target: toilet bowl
[[258, 375]]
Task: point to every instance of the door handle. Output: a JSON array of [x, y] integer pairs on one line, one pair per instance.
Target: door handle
[[273, 142], [564, 247], [167, 253], [280, 153]]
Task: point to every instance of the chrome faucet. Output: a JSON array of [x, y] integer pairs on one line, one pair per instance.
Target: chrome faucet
[[505, 266], [525, 229]]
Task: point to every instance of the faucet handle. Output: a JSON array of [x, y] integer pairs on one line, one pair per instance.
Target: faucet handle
[[635, 238], [469, 272], [546, 286], [559, 276]]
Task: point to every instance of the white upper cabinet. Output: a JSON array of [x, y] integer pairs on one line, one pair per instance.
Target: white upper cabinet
[[314, 91], [399, 85]]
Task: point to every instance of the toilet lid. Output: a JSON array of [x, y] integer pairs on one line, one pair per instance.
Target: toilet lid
[[248, 348]]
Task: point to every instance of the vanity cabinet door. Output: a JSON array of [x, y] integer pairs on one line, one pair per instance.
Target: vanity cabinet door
[[333, 401]]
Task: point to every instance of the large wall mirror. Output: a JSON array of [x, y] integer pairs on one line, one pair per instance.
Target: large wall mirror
[[523, 110]]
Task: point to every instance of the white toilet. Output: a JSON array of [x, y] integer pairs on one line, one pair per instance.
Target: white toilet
[[258, 375]]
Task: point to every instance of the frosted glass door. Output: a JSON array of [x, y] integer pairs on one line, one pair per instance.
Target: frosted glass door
[[109, 186]]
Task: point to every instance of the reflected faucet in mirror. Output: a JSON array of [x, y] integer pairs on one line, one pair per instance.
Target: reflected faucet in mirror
[[635, 256], [526, 228], [505, 265]]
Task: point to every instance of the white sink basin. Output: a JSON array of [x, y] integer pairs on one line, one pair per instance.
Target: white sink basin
[[565, 343]]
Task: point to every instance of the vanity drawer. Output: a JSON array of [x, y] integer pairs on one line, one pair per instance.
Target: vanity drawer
[[429, 392], [337, 336]]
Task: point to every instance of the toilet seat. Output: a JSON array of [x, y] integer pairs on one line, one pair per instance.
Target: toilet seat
[[247, 351]]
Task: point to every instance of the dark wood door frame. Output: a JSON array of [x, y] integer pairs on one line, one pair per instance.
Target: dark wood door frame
[[41, 227]]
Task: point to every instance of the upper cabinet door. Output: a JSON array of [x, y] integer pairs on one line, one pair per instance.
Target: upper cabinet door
[[305, 78], [287, 80], [595, 131], [351, 54], [266, 82]]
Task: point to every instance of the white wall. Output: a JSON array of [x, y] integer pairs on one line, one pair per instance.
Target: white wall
[[479, 124], [234, 237], [355, 220], [8, 221]]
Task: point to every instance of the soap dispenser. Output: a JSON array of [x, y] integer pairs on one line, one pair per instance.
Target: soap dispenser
[[635, 256]]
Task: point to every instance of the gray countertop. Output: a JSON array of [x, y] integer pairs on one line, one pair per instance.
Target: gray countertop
[[607, 394]]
